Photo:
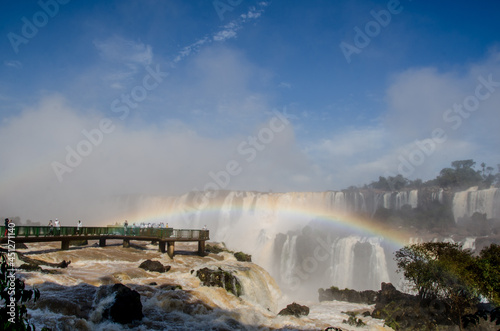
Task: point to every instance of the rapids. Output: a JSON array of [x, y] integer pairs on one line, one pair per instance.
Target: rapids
[[67, 299]]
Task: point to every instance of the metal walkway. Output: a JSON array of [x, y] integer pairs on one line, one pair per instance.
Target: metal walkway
[[166, 237]]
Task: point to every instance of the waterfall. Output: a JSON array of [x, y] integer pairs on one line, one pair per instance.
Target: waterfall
[[341, 263], [437, 196], [396, 200], [358, 263], [486, 201], [292, 234], [288, 261]]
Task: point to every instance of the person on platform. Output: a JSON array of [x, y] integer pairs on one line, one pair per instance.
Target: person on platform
[[57, 225], [125, 227], [78, 227], [6, 227], [51, 227]]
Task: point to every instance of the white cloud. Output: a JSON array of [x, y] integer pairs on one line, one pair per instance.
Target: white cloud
[[167, 158], [123, 60], [118, 49], [417, 101], [13, 64]]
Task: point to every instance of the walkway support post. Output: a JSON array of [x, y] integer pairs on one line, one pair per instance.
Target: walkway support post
[[201, 248], [126, 243], [161, 246], [65, 244], [170, 248], [102, 242]]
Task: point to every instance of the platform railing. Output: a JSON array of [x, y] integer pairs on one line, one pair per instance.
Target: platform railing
[[160, 233]]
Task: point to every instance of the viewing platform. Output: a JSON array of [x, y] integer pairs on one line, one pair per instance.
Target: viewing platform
[[165, 237]]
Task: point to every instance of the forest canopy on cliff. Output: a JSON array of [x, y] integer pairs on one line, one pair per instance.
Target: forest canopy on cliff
[[461, 175]]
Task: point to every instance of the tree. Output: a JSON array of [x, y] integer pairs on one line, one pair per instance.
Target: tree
[[441, 271], [488, 268], [390, 183], [13, 312], [461, 175]]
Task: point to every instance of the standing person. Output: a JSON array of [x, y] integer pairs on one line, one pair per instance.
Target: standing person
[[125, 227], [78, 227], [6, 227], [57, 226], [51, 228]]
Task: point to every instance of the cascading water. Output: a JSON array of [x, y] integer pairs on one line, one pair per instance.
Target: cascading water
[[466, 203], [324, 256]]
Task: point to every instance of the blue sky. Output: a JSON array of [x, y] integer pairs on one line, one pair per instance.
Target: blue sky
[[246, 95]]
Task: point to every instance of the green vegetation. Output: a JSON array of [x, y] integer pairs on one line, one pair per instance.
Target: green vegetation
[[352, 320], [243, 257], [13, 312], [446, 272], [461, 175]]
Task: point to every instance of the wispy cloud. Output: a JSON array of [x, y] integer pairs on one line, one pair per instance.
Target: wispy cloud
[[285, 85], [13, 64], [121, 50], [228, 31], [124, 59]]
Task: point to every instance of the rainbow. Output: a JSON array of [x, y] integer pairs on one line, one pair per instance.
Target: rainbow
[[345, 222]]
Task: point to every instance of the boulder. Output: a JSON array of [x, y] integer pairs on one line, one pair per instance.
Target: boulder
[[169, 287], [30, 267], [126, 307], [334, 293], [242, 257], [154, 266], [21, 246], [220, 278], [295, 309]]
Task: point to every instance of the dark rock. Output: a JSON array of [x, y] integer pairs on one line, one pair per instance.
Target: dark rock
[[214, 248], [34, 265], [126, 307], [168, 287], [399, 310], [295, 309], [405, 311], [153, 283], [21, 246], [334, 293], [388, 293], [220, 278], [30, 267], [63, 264], [353, 320], [154, 266], [242, 257]]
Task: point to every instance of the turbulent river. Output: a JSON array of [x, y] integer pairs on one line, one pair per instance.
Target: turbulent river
[[300, 242], [68, 295]]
